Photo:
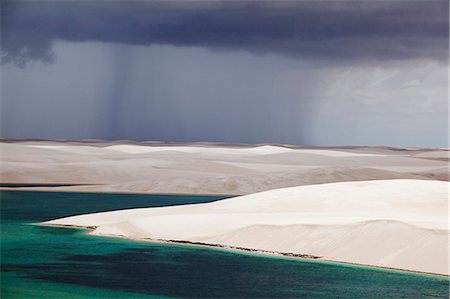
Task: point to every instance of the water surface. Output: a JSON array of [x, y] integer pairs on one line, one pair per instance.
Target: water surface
[[50, 262]]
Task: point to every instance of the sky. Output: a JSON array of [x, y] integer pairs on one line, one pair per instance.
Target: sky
[[317, 73]]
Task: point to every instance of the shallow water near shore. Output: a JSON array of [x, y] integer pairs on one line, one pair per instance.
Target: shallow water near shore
[[51, 262]]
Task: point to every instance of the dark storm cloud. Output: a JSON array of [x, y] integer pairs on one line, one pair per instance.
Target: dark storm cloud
[[336, 30]]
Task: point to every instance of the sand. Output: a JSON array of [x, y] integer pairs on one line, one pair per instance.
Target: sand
[[206, 168], [401, 224], [374, 206]]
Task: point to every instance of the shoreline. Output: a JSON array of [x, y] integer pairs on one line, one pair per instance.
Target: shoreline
[[251, 251], [18, 189]]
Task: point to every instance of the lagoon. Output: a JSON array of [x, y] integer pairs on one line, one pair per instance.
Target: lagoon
[[51, 262]]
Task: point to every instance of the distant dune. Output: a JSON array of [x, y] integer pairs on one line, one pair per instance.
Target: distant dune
[[400, 224], [205, 168]]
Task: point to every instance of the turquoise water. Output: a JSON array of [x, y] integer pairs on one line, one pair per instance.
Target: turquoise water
[[48, 262]]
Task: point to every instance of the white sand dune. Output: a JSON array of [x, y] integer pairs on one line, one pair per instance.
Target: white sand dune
[[435, 154], [204, 168], [138, 149], [399, 224], [257, 150]]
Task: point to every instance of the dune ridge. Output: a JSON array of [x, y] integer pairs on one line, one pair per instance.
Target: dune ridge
[[401, 224], [205, 168]]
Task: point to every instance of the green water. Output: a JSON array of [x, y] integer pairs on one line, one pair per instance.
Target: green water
[[47, 262]]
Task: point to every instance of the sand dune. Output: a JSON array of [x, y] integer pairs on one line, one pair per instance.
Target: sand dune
[[261, 150], [374, 205], [257, 150], [390, 223], [203, 168], [363, 242]]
